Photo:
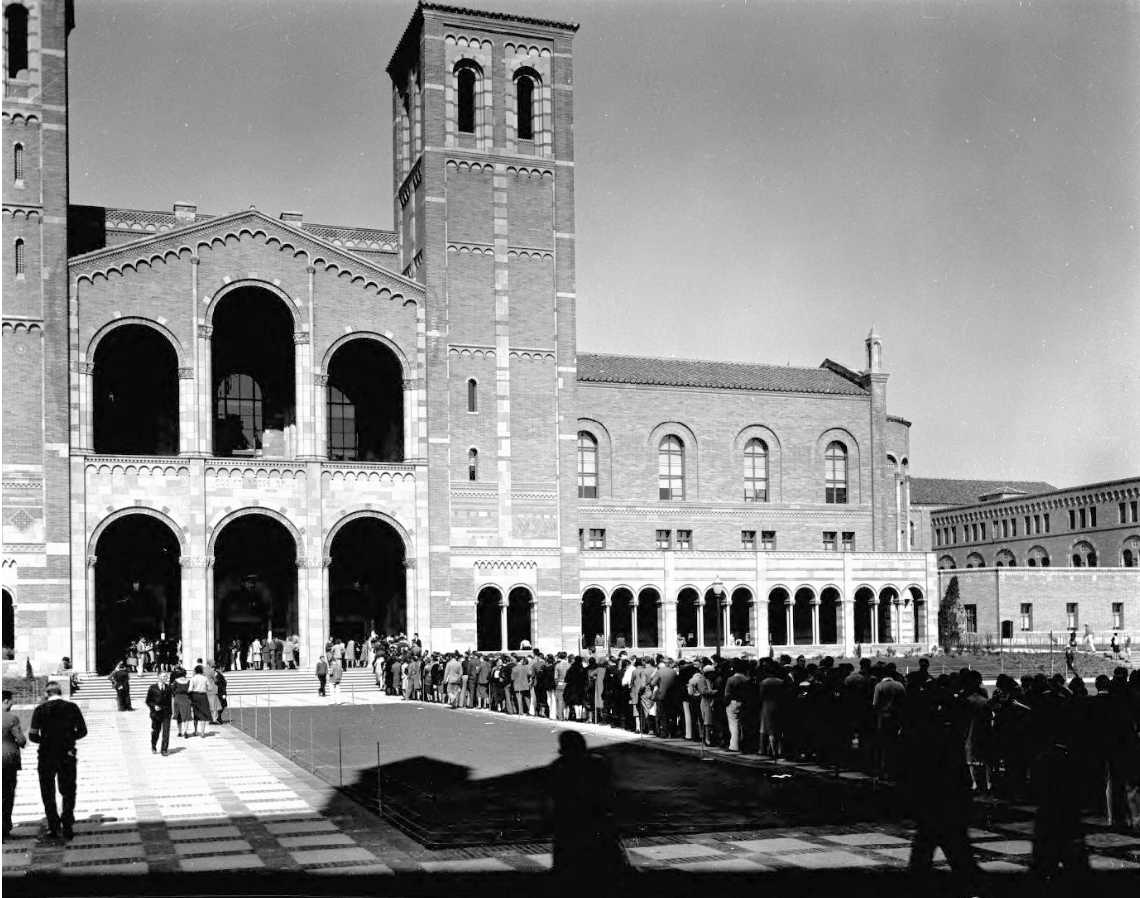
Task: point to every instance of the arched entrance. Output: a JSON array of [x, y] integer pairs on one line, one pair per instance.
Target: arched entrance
[[621, 618], [740, 618], [489, 620], [365, 403], [713, 617], [778, 616], [889, 613], [863, 615], [367, 582], [830, 609], [648, 618], [593, 617], [135, 393], [138, 588], [9, 627], [802, 629], [520, 607], [918, 603], [253, 375], [255, 581], [687, 611]]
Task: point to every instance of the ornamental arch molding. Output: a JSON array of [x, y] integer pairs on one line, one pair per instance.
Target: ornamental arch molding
[[169, 519], [245, 283], [228, 517], [387, 342], [159, 328], [357, 514]]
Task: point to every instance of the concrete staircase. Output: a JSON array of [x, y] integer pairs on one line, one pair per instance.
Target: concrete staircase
[[96, 691]]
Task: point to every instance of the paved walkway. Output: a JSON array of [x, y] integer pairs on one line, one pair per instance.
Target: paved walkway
[[226, 802]]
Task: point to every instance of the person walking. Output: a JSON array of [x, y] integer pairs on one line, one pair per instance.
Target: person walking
[[121, 681], [322, 671], [182, 711], [57, 725], [160, 700], [13, 741], [335, 672], [223, 695]]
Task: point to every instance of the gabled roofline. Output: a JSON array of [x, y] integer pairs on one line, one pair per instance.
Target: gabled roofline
[[846, 373], [192, 230]]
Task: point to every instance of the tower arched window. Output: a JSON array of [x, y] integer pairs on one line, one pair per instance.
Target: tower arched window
[[524, 97], [472, 464], [671, 468], [465, 83], [587, 466], [240, 414], [755, 471], [472, 395], [16, 45], [343, 441], [21, 260], [18, 162], [835, 473]]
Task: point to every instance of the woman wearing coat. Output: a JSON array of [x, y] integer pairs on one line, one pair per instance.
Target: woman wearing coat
[[575, 692]]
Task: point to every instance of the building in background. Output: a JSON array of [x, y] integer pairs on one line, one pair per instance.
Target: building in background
[[931, 494]]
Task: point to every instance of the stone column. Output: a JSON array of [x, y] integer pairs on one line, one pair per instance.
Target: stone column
[[86, 412], [754, 622], [816, 602], [303, 396], [896, 621], [88, 661], [320, 416], [607, 608], [205, 381], [411, 418], [789, 614], [726, 618], [197, 588], [503, 624], [634, 604], [874, 605], [701, 621], [187, 412], [533, 607]]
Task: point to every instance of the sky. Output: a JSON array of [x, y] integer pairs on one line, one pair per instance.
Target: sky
[[755, 182]]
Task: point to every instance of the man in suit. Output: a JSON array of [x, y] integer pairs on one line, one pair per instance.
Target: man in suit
[[159, 699], [57, 725]]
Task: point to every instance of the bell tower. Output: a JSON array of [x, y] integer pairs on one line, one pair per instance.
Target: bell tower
[[36, 424], [484, 206]]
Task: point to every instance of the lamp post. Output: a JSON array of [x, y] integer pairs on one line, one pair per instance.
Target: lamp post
[[718, 592]]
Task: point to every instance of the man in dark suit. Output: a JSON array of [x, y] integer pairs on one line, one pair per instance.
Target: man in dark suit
[[57, 725], [159, 699]]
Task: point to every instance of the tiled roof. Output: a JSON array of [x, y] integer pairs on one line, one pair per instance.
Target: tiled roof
[[941, 491], [502, 16], [627, 369]]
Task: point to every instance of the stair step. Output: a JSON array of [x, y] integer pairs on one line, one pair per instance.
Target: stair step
[[239, 682]]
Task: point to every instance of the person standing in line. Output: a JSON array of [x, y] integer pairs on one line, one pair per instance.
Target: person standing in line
[[453, 679], [379, 667], [160, 700], [255, 653], [57, 725], [198, 690], [183, 712], [211, 673], [335, 672], [350, 654], [223, 690], [322, 671], [13, 741]]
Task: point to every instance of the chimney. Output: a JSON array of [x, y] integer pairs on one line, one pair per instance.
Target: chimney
[[186, 213], [294, 218]]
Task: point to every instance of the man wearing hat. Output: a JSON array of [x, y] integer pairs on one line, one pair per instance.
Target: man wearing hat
[[57, 725], [13, 741]]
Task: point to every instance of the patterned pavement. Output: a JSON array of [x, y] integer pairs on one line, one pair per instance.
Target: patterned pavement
[[225, 802]]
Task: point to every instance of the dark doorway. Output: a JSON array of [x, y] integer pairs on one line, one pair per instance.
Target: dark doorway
[[135, 393], [740, 618], [713, 619], [888, 619], [801, 617], [863, 615], [488, 620], [648, 618], [367, 581], [519, 604], [365, 404], [9, 627], [138, 587], [255, 581], [687, 610], [593, 617], [829, 612], [778, 616], [621, 619], [253, 375]]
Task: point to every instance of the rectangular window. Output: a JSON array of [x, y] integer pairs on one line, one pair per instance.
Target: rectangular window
[[1123, 513], [1028, 525], [1026, 617], [954, 535], [1084, 518], [971, 618], [1005, 529], [938, 537], [1013, 526], [1132, 508], [1118, 615], [829, 540], [597, 538], [1072, 519], [1046, 522], [1037, 523], [768, 540], [684, 539], [1072, 618], [664, 539], [748, 539], [984, 537], [848, 541], [1092, 516]]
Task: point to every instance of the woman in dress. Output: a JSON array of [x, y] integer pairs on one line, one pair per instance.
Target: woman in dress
[[198, 691], [255, 653], [182, 711]]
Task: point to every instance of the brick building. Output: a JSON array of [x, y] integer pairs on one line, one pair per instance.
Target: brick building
[[930, 494], [220, 425]]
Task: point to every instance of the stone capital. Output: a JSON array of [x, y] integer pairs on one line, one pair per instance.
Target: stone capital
[[320, 380], [205, 331], [411, 383], [91, 560], [194, 260], [300, 337], [196, 561], [409, 564], [186, 373], [311, 269]]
